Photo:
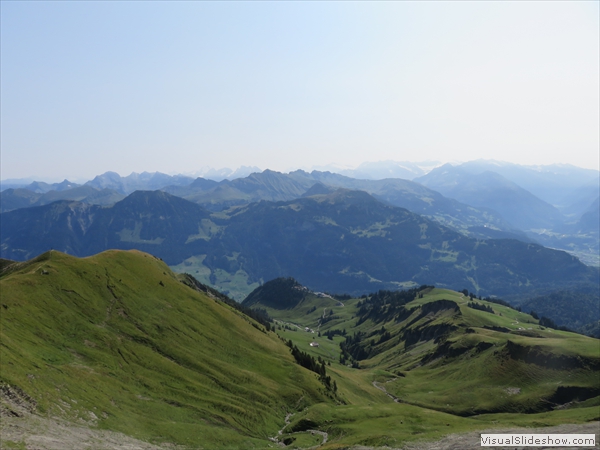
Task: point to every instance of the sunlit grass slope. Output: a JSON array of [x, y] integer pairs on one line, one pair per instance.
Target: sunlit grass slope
[[117, 341], [450, 367]]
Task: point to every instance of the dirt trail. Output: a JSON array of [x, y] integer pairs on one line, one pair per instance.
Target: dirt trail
[[322, 433], [288, 418], [384, 390], [279, 438]]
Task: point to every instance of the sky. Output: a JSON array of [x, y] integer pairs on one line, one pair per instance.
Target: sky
[[88, 87]]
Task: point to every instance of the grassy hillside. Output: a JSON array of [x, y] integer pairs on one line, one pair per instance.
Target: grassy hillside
[[118, 342], [429, 364]]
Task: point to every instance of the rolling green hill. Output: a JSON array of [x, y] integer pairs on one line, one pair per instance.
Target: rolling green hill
[[118, 342], [440, 350]]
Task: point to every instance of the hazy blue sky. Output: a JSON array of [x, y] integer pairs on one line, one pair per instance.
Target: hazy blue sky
[[149, 86]]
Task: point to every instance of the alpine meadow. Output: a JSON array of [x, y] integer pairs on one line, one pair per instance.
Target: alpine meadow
[[299, 225]]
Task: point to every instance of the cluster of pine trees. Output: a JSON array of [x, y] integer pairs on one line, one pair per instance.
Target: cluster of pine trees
[[385, 305], [312, 364], [331, 333], [352, 348], [480, 307]]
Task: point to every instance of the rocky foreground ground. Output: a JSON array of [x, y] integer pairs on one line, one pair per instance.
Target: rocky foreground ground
[[32, 432]]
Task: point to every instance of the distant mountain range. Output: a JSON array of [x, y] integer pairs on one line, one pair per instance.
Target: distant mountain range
[[11, 199], [275, 186], [552, 183], [519, 207], [382, 170], [482, 199], [345, 241]]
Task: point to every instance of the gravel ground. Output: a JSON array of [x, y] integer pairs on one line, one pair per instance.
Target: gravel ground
[[472, 440], [38, 433], [21, 428]]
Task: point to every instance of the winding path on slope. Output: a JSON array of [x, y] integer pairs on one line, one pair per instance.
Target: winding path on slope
[[384, 390], [288, 418]]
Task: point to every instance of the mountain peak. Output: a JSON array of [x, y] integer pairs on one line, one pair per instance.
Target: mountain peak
[[280, 293]]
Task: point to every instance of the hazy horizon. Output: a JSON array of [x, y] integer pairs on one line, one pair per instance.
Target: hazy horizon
[[90, 87], [212, 171]]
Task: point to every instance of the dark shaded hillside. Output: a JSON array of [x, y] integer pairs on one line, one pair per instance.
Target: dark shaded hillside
[[278, 293], [155, 222], [151, 221], [12, 199], [272, 186], [349, 242], [346, 241], [62, 225], [416, 198], [574, 308]]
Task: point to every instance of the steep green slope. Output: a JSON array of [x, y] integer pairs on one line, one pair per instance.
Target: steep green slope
[[118, 342]]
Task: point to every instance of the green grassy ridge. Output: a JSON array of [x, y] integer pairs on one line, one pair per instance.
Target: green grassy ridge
[[470, 371], [443, 395], [116, 340], [166, 363]]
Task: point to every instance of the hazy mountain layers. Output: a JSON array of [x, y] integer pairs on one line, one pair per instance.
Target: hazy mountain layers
[[344, 241]]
